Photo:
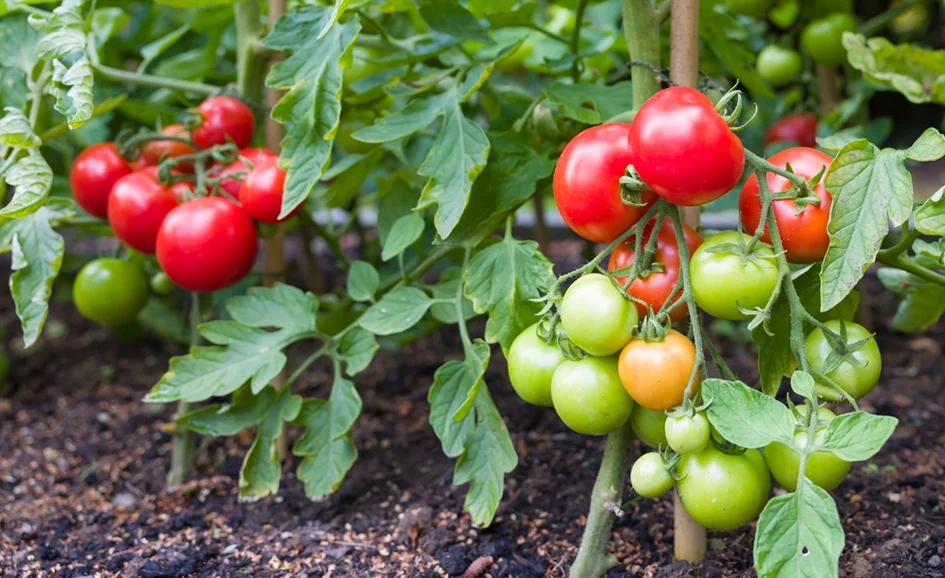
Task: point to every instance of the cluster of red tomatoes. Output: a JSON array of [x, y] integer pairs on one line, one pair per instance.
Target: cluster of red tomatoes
[[685, 153], [204, 240]]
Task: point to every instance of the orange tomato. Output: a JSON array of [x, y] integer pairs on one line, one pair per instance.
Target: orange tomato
[[655, 373]]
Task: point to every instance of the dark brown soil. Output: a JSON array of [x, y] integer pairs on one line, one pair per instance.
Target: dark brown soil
[[82, 464]]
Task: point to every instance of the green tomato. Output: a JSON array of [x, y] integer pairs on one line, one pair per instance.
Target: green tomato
[[161, 283], [857, 378], [588, 395], [532, 364], [687, 434], [749, 7], [823, 468], [722, 280], [822, 8], [649, 477], [780, 66], [597, 317], [914, 19], [823, 39], [110, 291], [649, 426], [722, 491]]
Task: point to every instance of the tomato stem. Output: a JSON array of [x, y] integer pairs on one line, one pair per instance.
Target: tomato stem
[[183, 450]]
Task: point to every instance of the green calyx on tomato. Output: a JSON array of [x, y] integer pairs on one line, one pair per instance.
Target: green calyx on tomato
[[823, 468], [779, 65], [850, 358], [822, 39], [596, 316], [722, 491], [728, 280], [532, 363], [110, 291], [649, 476], [687, 434], [649, 426], [588, 397]]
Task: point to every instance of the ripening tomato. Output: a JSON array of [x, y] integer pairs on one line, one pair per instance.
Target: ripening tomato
[[649, 426], [683, 149], [207, 244], [239, 168], [655, 373], [156, 150], [137, 207], [657, 287], [110, 291], [858, 376], [94, 173], [587, 183], [532, 365], [588, 397], [823, 468], [224, 119], [722, 491], [797, 128], [261, 193], [649, 476], [596, 316], [725, 281], [803, 234]]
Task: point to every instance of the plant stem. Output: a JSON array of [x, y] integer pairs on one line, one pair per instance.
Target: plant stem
[[910, 266], [878, 22], [540, 229], [137, 79], [641, 28], [593, 560], [183, 449], [251, 63], [576, 39], [828, 88]]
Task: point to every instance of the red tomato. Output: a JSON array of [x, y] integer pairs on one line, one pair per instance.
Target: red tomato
[[156, 150], [207, 244], [683, 148], [140, 163], [804, 235], [224, 119], [798, 128], [261, 193], [586, 183], [254, 156], [94, 173], [656, 288], [137, 207]]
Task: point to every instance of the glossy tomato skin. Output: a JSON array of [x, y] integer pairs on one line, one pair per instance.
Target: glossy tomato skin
[[588, 397], [721, 491], [161, 284], [156, 150], [822, 39], [687, 434], [110, 291], [722, 282], [823, 468], [683, 149], [224, 119], [239, 169], [649, 476], [656, 288], [798, 128], [779, 65], [649, 426], [655, 373], [596, 316], [857, 379], [137, 207], [804, 235], [207, 244], [532, 364], [261, 193], [94, 173], [586, 183]]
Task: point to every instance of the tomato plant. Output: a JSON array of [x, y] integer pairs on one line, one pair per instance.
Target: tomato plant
[[110, 291], [822, 39], [262, 190], [223, 119], [649, 426], [649, 477], [588, 396], [596, 317], [780, 65], [176, 145], [751, 275], [94, 173], [532, 365], [137, 206], [796, 128], [656, 373], [232, 175], [855, 367], [723, 491], [687, 434]]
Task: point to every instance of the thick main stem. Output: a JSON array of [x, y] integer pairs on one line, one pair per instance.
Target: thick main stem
[[182, 450], [689, 537]]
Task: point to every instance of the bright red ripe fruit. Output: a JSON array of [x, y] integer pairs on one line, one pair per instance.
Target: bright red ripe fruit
[[94, 173], [262, 191], [586, 183], [156, 150], [683, 148], [224, 119], [207, 244], [137, 207], [803, 234], [798, 128], [232, 185]]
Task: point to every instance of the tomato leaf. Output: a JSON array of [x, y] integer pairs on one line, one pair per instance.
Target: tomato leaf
[[858, 436], [32, 180], [281, 306], [455, 383], [363, 280], [922, 305], [403, 234], [196, 3], [16, 131], [357, 349], [503, 280], [343, 181], [311, 107], [799, 535], [18, 41], [262, 468], [917, 73], [64, 45], [802, 383], [590, 103], [745, 416], [397, 311], [930, 218], [326, 447], [727, 39], [447, 288], [451, 18], [870, 188]]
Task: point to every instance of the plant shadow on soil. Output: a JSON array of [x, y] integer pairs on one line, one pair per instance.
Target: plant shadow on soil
[[82, 464]]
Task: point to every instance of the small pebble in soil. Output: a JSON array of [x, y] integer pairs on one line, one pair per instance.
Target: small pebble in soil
[[935, 561], [125, 500]]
